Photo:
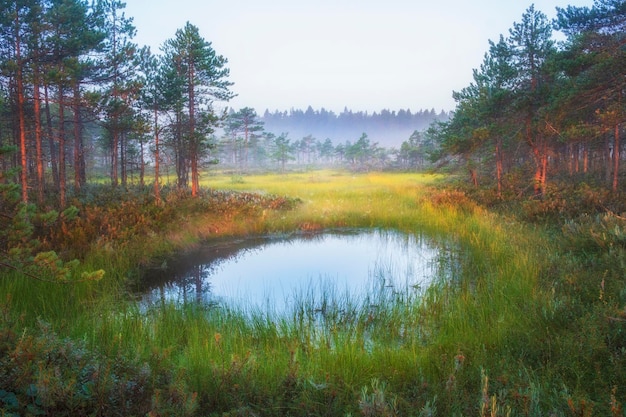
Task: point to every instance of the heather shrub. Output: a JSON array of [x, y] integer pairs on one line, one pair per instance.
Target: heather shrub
[[43, 374]]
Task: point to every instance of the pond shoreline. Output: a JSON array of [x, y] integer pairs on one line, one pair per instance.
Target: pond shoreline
[[290, 260]]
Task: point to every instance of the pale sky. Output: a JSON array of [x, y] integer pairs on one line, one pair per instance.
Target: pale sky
[[361, 54]]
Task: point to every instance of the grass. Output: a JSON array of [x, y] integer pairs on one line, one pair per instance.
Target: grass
[[334, 199], [491, 338]]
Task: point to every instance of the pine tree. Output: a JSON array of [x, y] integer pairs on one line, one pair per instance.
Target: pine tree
[[119, 65], [532, 45], [153, 99], [597, 37], [196, 77]]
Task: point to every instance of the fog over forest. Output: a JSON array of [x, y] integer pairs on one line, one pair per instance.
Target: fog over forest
[[388, 128]]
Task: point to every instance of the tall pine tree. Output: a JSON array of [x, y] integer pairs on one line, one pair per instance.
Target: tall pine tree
[[197, 77]]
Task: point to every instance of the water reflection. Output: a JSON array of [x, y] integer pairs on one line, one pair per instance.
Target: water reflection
[[274, 273]]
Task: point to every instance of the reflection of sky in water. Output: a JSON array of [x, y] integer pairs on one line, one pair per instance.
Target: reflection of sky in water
[[271, 273]]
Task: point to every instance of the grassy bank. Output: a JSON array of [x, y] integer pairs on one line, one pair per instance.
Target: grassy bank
[[516, 328]]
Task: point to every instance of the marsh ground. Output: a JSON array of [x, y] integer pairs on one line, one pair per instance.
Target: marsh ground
[[530, 322]]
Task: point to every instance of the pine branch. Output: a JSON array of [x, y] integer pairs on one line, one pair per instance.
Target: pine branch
[[21, 271], [88, 277]]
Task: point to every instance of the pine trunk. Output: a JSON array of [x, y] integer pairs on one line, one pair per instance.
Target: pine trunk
[[78, 141], [38, 138], [20, 110], [499, 165], [61, 141], [54, 161], [616, 156], [157, 156], [193, 141]]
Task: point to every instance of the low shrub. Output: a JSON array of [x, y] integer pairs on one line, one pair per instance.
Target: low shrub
[[43, 374]]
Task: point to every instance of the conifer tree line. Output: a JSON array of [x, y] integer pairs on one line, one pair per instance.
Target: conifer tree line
[[248, 143], [77, 93], [79, 99], [542, 108], [388, 127]]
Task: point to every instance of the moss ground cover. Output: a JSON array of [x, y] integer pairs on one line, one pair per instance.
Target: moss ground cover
[[522, 324]]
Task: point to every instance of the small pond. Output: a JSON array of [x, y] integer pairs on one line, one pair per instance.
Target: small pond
[[272, 273]]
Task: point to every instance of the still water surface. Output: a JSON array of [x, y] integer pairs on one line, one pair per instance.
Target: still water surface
[[272, 273]]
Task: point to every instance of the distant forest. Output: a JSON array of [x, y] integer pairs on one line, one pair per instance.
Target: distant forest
[[389, 128], [322, 139]]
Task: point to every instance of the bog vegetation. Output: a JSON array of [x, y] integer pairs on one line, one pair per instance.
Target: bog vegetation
[[524, 180], [528, 319]]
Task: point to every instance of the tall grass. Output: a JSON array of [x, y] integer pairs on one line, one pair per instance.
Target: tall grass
[[470, 344]]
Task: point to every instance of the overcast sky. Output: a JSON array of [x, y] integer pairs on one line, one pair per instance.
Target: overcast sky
[[362, 54]]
